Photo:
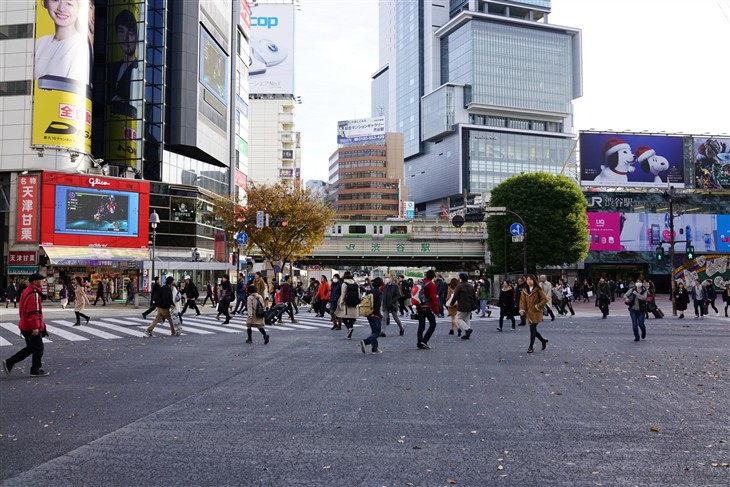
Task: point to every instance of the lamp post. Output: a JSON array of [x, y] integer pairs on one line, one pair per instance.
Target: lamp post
[[154, 221], [502, 211]]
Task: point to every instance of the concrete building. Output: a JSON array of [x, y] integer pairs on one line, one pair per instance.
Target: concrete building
[[480, 90]]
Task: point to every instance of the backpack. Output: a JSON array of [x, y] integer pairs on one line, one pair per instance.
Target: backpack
[[366, 305], [352, 295], [418, 295]]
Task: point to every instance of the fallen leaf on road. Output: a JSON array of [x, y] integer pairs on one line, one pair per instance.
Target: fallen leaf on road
[[451, 481], [654, 428]]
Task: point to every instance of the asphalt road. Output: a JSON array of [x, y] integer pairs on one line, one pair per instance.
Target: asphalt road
[[595, 408]]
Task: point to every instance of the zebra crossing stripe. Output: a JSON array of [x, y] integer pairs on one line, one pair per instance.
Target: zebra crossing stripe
[[88, 329], [4, 342], [53, 330], [13, 328], [118, 329], [208, 327]]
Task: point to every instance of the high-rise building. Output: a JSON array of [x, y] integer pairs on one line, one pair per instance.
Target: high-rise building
[[481, 90], [137, 106]]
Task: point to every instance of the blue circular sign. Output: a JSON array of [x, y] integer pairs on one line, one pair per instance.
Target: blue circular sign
[[516, 229], [242, 238]]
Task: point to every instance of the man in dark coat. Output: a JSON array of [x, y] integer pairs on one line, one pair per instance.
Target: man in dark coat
[[191, 294], [154, 294], [11, 295], [100, 293]]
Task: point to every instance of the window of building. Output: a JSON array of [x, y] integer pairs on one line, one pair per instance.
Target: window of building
[[15, 88], [16, 31]]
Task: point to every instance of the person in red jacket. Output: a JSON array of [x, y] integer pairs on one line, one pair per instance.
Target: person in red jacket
[[32, 327], [426, 311], [323, 297], [287, 297]]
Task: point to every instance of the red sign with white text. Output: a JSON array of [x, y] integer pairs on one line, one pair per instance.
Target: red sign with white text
[[22, 257], [27, 216], [241, 179]]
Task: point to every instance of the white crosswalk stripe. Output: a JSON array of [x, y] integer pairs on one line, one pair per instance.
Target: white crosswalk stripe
[[13, 328], [56, 331], [87, 329]]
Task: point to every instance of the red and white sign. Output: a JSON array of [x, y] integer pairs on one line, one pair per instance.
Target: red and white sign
[[241, 180], [245, 20], [28, 207], [22, 257]]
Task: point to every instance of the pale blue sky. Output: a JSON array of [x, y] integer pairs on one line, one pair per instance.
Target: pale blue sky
[[647, 65]]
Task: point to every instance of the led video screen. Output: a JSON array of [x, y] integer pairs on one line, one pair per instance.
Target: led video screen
[[88, 211]]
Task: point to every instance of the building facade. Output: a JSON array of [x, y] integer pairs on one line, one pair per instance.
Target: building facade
[[481, 91]]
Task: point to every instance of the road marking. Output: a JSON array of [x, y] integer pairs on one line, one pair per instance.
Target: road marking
[[118, 329], [88, 329], [65, 334], [4, 342]]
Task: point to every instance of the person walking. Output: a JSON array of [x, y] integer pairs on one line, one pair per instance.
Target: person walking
[[484, 300], [710, 297], [240, 295], [698, 299], [464, 296], [426, 311], [506, 304], [11, 295], [322, 297], [635, 299], [347, 304], [547, 289], [603, 295], [441, 293], [391, 296], [532, 301], [286, 296], [226, 296], [153, 296], [518, 292], [100, 293], [109, 288], [374, 318], [567, 297], [208, 294], [335, 291], [451, 308], [80, 302], [164, 304], [32, 327], [131, 291], [253, 302], [63, 295], [726, 297], [191, 295], [681, 299]]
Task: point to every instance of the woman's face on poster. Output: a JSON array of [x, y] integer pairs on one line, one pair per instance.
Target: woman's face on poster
[[64, 13]]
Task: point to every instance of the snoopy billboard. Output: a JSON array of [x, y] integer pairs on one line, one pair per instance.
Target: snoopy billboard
[[629, 160]]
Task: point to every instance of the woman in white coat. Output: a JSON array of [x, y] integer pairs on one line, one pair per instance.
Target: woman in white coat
[[80, 302]]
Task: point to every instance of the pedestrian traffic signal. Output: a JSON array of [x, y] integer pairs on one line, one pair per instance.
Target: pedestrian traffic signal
[[690, 251], [278, 222], [659, 253]]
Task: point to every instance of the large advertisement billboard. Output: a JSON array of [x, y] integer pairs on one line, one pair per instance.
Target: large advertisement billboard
[[361, 130], [213, 67], [64, 39], [272, 49], [84, 210], [125, 78], [711, 157], [628, 160]]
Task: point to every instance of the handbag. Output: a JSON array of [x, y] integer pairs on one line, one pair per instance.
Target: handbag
[[630, 300], [260, 310]]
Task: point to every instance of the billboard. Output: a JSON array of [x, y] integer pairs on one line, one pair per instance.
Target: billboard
[[271, 69], [213, 67], [711, 157], [361, 130], [84, 210], [125, 78], [604, 231], [628, 160], [26, 224], [64, 39]]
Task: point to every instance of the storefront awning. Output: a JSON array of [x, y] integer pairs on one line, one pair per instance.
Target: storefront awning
[[93, 255]]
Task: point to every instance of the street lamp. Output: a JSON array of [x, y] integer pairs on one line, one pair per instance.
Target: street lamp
[[502, 211], [154, 221]]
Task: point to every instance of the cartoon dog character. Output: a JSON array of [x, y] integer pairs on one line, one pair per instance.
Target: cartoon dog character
[[651, 162], [618, 161]]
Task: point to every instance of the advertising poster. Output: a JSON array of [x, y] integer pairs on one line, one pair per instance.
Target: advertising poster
[[213, 67], [645, 231], [272, 49], [644, 161], [723, 233], [26, 226], [362, 130], [711, 157], [704, 267], [64, 39], [125, 82], [604, 231]]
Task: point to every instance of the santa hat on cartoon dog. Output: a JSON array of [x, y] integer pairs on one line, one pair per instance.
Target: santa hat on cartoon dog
[[616, 161], [651, 162]]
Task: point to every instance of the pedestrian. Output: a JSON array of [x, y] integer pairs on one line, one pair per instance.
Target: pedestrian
[[226, 296], [374, 318], [391, 296], [335, 291], [441, 293], [252, 319], [464, 296], [240, 295], [603, 295], [11, 294], [651, 305], [404, 301], [153, 296], [32, 327], [80, 302], [286, 296], [216, 294], [532, 301], [506, 304], [726, 297], [710, 296], [164, 304], [517, 293], [109, 287], [484, 299], [191, 295], [63, 295], [635, 299], [131, 291], [347, 304], [586, 292], [322, 297], [451, 307], [176, 310], [208, 294], [698, 299], [100, 293], [567, 297], [681, 299], [426, 310], [547, 289]]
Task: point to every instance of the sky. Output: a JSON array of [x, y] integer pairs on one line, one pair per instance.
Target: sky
[[655, 65]]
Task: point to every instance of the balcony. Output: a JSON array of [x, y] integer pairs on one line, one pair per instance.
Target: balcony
[[286, 118]]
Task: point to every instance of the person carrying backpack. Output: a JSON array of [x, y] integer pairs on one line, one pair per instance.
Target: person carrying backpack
[[464, 296], [391, 296], [426, 301], [374, 317], [346, 310]]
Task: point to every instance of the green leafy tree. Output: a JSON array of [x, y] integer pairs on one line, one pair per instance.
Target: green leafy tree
[[554, 211], [306, 217]]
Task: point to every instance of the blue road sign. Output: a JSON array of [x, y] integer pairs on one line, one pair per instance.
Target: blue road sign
[[241, 238], [516, 229]]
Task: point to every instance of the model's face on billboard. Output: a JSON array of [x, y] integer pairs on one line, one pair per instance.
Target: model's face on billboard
[[127, 40], [63, 12]]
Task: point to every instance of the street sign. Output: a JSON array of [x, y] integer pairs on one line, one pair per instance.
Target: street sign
[[241, 238], [516, 229], [495, 209], [457, 221], [518, 238], [260, 219]]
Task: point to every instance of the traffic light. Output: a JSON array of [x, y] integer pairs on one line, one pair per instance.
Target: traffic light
[[690, 251], [660, 253], [278, 222]]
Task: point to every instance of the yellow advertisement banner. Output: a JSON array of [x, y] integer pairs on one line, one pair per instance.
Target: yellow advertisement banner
[[62, 74]]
